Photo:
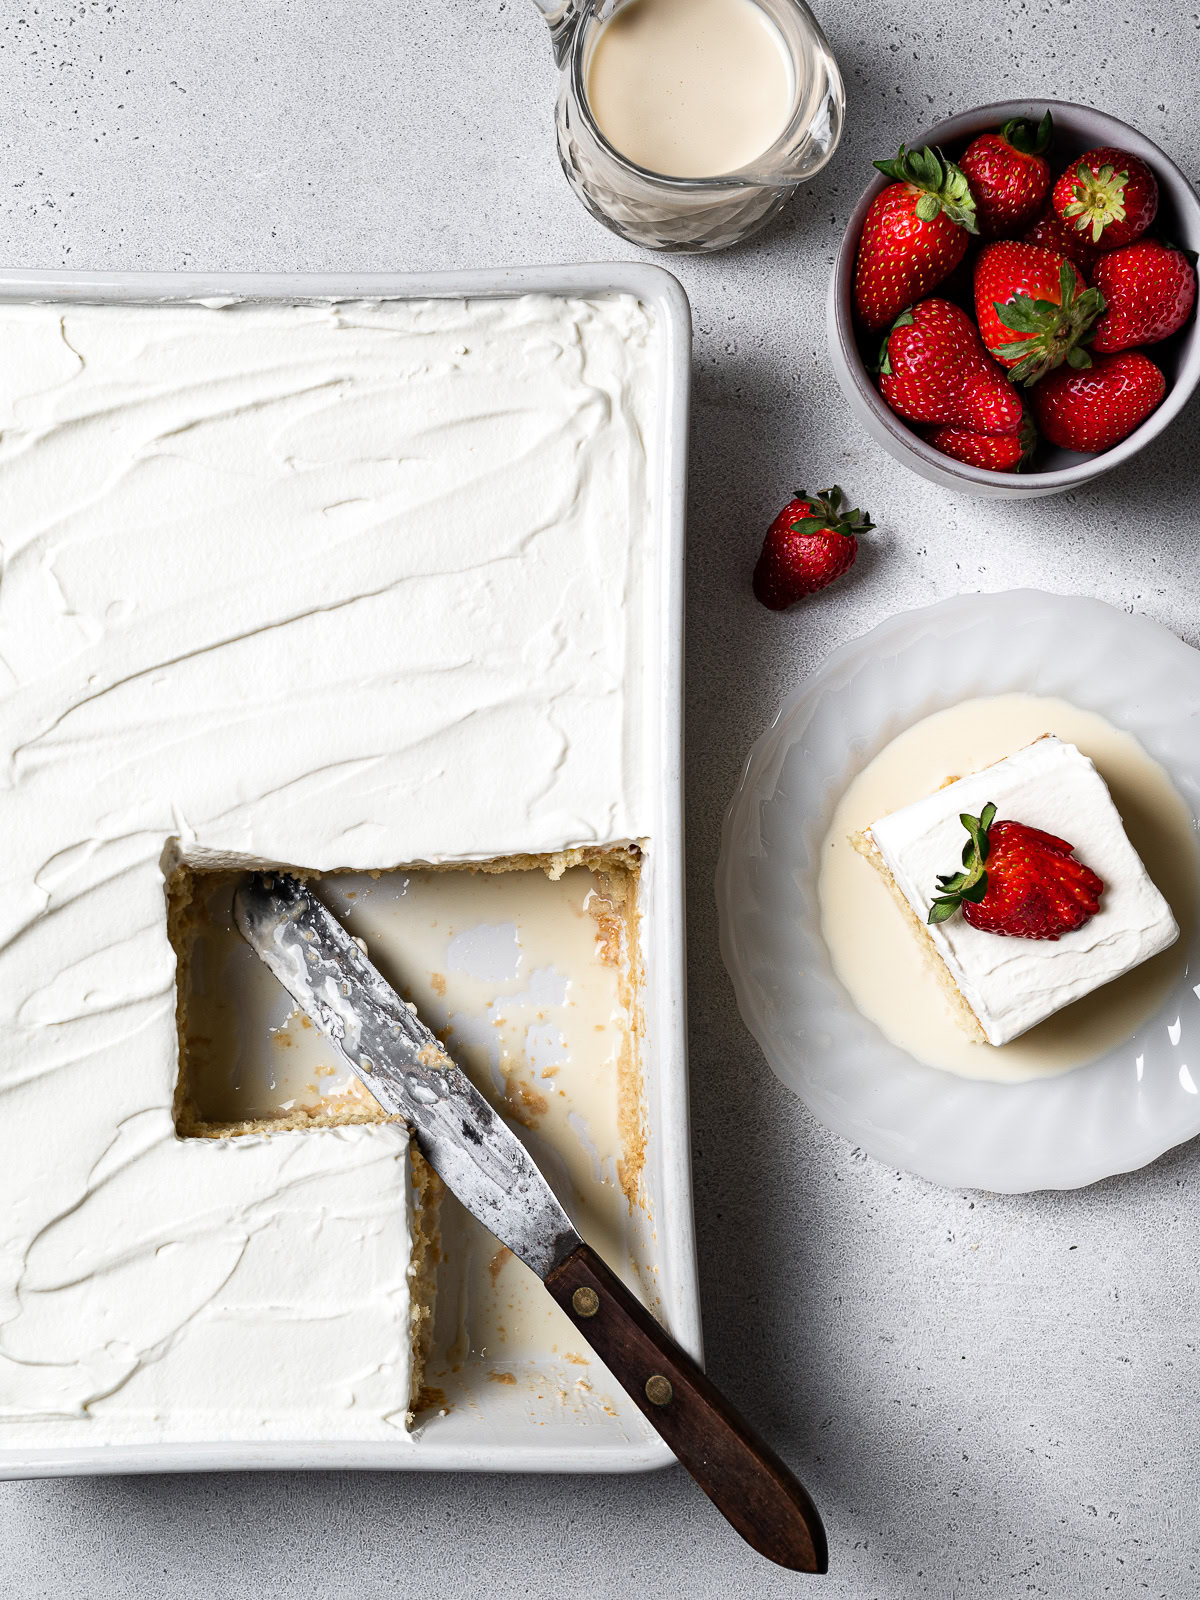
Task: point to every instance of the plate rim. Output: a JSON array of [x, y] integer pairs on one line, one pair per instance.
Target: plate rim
[[833, 671]]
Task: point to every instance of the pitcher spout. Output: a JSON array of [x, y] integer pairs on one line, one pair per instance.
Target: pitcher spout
[[817, 124], [561, 17]]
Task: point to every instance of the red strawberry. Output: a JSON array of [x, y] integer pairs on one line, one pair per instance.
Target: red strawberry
[[1109, 195], [1009, 176], [1094, 410], [1052, 231], [933, 369], [1018, 881], [1149, 288], [1032, 309], [915, 233], [812, 541], [995, 452]]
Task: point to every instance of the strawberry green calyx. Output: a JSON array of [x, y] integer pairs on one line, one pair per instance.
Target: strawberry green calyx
[[1099, 199], [883, 362], [971, 883], [1054, 331], [1030, 138], [943, 185], [828, 514]]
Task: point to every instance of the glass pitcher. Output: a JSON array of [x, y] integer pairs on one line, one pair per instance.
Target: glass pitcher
[[692, 214]]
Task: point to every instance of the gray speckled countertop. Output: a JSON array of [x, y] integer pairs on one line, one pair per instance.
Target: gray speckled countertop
[[987, 1396]]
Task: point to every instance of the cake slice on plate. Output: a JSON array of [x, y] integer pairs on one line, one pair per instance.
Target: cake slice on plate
[[1022, 880]]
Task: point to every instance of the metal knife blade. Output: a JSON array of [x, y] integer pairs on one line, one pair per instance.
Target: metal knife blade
[[465, 1141], [488, 1168]]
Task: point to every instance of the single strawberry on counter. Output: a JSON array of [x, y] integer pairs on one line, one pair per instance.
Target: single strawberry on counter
[[1009, 175], [933, 369], [1017, 881], [1034, 312], [915, 234], [812, 541], [1052, 231], [1149, 289], [1096, 409], [1107, 194], [994, 452]]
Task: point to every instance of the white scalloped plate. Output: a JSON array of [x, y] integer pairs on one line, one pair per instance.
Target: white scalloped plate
[[1115, 1114]]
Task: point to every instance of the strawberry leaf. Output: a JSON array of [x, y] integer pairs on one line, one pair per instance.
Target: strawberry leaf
[[1028, 138], [943, 910], [969, 885], [1013, 350], [828, 514], [1052, 329], [943, 185], [1099, 198], [884, 362], [926, 168], [1027, 372], [1023, 314]]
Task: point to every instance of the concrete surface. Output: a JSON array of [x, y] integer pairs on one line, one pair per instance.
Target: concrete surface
[[986, 1396]]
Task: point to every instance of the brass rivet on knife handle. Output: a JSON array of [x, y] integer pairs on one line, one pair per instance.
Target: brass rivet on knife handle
[[738, 1471], [658, 1390], [586, 1302]]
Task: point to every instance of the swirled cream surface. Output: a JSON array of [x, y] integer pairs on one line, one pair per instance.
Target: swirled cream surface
[[338, 586]]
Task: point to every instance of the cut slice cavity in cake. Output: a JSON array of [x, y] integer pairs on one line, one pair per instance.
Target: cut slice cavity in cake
[[528, 969], [1003, 986]]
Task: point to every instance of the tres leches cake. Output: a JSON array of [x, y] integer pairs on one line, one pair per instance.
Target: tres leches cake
[[340, 587], [1024, 884]]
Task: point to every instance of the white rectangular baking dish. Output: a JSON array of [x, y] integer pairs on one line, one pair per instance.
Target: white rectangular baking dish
[[507, 1430]]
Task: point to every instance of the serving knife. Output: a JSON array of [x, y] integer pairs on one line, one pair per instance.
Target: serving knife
[[484, 1164]]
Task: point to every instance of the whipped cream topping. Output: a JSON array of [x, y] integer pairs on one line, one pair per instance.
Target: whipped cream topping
[[334, 586], [1009, 983]]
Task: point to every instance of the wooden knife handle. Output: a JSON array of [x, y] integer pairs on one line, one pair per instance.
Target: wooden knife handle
[[742, 1476]]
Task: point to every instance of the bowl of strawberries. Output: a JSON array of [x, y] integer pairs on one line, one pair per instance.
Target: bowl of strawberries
[[1013, 306]]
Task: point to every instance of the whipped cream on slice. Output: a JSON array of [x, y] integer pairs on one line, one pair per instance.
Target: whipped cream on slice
[[327, 585], [1012, 984]]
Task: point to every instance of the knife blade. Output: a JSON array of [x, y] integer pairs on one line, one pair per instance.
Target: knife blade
[[486, 1166], [406, 1068]]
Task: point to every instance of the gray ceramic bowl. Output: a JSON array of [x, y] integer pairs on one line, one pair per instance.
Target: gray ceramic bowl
[[1077, 128]]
